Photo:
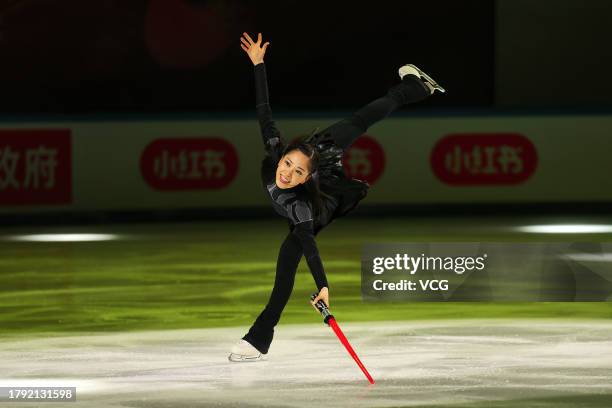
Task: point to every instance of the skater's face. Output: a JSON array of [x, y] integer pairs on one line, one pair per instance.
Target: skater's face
[[292, 170]]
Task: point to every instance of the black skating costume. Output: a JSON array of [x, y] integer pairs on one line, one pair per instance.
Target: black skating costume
[[294, 203]]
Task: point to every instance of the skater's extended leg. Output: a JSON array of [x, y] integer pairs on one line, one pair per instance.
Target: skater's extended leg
[[410, 90], [261, 333]]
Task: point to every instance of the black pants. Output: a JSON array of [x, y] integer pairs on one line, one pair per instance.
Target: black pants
[[344, 133]]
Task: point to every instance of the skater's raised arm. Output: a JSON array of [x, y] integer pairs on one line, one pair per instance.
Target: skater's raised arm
[[269, 132]]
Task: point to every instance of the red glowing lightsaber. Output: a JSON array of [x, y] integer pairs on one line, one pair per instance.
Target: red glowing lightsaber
[[328, 318]]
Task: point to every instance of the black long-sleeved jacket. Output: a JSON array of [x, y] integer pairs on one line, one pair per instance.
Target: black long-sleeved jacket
[[292, 203]]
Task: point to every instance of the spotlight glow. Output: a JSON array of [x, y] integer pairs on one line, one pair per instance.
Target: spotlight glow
[[567, 229], [62, 237], [605, 257]]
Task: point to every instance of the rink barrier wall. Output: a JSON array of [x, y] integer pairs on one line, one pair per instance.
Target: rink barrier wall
[[166, 165]]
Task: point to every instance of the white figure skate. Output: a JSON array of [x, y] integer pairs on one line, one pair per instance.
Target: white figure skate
[[414, 70], [243, 351]]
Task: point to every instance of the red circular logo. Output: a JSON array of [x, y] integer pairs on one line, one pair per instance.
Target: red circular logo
[[484, 158], [189, 164], [364, 160]]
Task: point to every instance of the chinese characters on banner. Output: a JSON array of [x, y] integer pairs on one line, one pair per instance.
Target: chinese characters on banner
[[189, 164], [484, 159], [364, 160], [35, 166]]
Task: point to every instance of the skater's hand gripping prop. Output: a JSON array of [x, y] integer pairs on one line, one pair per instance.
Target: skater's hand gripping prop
[[329, 319], [320, 305], [323, 295], [254, 50]]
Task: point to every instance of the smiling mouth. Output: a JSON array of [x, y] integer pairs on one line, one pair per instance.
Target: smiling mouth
[[283, 179]]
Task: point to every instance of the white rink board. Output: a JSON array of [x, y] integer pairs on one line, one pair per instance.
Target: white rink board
[[572, 161]]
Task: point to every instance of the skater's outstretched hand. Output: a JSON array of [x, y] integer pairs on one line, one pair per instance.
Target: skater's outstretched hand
[[254, 50], [323, 294]]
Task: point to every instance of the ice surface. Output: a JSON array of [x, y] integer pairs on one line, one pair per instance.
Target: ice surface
[[424, 363]]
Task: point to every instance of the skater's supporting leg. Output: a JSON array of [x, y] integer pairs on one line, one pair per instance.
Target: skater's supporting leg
[[261, 333], [410, 90]]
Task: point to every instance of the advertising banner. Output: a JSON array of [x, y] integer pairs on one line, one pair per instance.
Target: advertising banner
[[174, 164]]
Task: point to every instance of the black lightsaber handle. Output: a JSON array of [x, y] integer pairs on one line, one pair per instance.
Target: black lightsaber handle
[[322, 309]]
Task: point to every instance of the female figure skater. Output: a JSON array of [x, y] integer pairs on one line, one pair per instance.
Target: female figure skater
[[307, 185]]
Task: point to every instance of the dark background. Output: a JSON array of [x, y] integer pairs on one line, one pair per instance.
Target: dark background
[[75, 56], [153, 56]]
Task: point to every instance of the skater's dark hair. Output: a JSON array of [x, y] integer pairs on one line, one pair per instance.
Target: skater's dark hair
[[312, 185]]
